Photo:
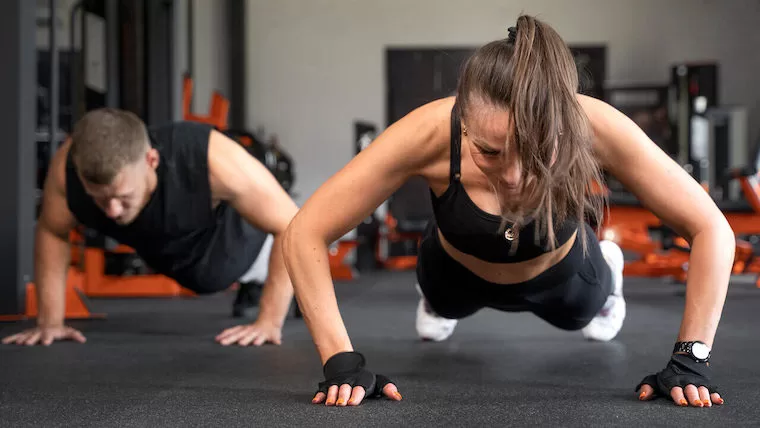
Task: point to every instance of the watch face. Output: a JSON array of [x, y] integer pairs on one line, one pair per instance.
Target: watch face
[[700, 350]]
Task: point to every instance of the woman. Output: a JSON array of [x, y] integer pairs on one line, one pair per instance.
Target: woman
[[510, 163]]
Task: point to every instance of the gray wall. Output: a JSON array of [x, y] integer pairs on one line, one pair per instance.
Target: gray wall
[[181, 57], [315, 66], [210, 64]]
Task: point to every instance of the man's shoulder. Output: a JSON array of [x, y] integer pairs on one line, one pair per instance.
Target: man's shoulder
[[180, 128], [181, 138]]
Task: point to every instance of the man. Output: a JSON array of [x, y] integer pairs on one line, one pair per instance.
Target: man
[[194, 204]]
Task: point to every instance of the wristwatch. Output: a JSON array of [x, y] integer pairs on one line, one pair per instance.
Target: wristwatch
[[697, 350]]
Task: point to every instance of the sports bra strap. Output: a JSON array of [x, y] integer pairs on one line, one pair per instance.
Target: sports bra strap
[[456, 145]]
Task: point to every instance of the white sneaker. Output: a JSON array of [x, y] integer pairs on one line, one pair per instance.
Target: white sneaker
[[606, 325], [430, 326]]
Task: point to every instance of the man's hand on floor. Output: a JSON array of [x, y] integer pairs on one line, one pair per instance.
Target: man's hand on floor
[[44, 335], [256, 334]]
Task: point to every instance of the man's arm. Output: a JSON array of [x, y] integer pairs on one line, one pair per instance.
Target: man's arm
[[52, 248], [51, 259], [248, 186]]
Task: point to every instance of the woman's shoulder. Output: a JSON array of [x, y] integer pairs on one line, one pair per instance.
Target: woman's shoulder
[[429, 126], [431, 121]]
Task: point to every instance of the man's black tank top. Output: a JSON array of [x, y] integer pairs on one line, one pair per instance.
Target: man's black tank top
[[476, 232], [178, 233]]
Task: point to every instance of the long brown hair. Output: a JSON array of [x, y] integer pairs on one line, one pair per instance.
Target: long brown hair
[[532, 74]]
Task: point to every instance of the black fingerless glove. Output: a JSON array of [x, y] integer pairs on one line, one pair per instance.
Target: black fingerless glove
[[680, 371], [348, 368]]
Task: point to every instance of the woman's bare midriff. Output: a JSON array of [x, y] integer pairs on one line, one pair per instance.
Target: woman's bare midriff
[[508, 273]]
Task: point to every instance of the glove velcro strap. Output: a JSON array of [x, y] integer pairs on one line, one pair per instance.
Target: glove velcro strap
[[344, 363]]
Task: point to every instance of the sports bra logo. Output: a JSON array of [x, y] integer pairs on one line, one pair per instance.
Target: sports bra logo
[[509, 234]]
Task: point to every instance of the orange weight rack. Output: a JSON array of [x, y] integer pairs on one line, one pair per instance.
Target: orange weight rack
[[76, 303], [218, 110], [91, 262]]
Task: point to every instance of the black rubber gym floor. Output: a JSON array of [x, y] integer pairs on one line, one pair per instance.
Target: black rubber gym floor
[[154, 363]]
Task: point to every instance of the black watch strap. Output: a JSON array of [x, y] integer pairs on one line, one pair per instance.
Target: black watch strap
[[684, 347], [687, 348]]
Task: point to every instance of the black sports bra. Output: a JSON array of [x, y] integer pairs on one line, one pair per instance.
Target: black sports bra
[[477, 233]]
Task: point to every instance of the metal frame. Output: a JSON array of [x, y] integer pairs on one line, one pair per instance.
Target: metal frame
[[190, 38], [55, 90], [180, 55], [159, 37], [76, 67], [112, 53], [237, 63], [18, 79]]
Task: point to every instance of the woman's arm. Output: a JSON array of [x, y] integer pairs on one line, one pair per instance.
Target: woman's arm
[[681, 203], [404, 150]]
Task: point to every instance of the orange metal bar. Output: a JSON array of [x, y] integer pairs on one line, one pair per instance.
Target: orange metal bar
[[673, 263], [619, 215], [751, 193], [187, 96], [398, 263], [401, 263], [218, 110], [338, 268], [76, 307], [97, 284]]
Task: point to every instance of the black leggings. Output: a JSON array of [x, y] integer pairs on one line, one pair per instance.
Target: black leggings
[[568, 295]]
